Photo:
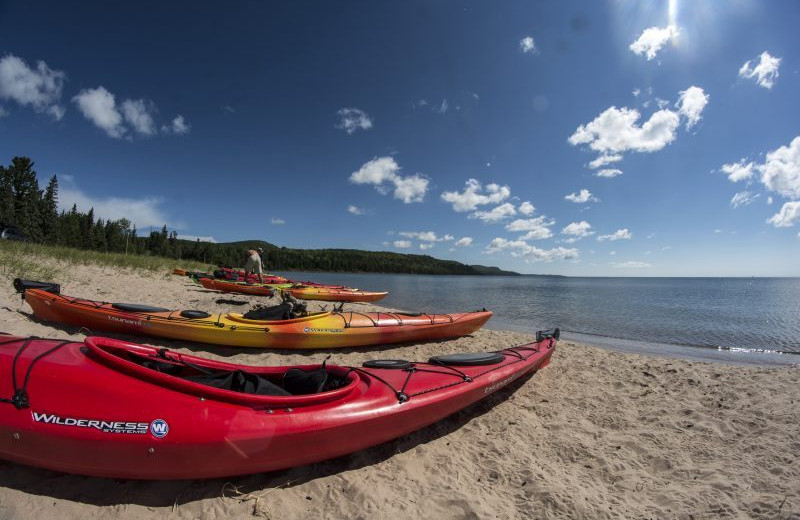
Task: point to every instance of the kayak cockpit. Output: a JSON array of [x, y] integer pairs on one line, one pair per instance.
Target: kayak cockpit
[[256, 387]]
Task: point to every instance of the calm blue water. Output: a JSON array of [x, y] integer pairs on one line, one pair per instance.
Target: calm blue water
[[739, 314]]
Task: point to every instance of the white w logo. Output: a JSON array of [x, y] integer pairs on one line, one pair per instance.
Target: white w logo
[[159, 428]]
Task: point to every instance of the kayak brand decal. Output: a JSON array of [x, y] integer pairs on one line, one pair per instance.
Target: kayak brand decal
[[312, 329], [158, 428], [103, 426], [499, 384], [128, 321]]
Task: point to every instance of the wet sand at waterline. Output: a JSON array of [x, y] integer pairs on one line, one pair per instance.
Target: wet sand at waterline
[[597, 434]]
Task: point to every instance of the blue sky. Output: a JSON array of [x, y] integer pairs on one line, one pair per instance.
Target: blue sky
[[583, 138]]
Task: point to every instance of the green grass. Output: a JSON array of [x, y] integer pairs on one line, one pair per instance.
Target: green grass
[[51, 263]]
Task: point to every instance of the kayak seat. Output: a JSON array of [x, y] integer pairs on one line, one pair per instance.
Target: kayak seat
[[233, 380], [193, 314], [468, 359], [284, 311], [135, 307], [239, 381], [297, 381]]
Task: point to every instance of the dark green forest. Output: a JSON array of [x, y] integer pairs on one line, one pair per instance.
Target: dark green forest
[[33, 211]]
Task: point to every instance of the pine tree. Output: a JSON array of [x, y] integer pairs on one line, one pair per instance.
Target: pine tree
[[49, 211], [6, 198], [25, 190], [86, 229]]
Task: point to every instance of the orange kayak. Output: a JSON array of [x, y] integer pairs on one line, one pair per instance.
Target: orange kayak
[[334, 295], [306, 331], [238, 287]]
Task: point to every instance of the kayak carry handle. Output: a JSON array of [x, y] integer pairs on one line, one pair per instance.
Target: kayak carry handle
[[542, 335], [21, 286]]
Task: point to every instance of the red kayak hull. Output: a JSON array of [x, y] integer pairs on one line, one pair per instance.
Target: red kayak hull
[[93, 411], [236, 287]]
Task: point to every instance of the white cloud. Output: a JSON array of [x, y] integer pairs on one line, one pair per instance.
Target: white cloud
[[537, 228], [471, 197], [577, 231], [738, 171], [179, 126], [617, 131], [98, 106], [402, 244], [604, 160], [769, 200], [39, 88], [3, 112], [630, 265], [138, 114], [464, 242], [355, 210], [443, 108], [276, 221], [526, 208], [787, 216], [194, 238], [781, 170], [425, 236], [620, 234], [520, 248], [765, 73], [496, 214], [691, 104], [352, 119], [653, 39], [608, 173], [383, 171], [743, 198], [636, 92], [410, 189], [377, 171], [581, 197], [527, 45], [143, 212]]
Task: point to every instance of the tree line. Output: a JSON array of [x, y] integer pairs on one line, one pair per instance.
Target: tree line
[[34, 212]]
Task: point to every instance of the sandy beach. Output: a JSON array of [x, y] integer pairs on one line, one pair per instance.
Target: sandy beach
[[597, 434]]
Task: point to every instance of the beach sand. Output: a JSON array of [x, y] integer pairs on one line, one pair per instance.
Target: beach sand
[[597, 434]]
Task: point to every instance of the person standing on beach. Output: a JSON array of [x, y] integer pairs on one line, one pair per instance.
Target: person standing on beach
[[253, 264]]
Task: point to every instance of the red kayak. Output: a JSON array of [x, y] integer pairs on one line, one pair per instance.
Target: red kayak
[[226, 273], [109, 408], [237, 287]]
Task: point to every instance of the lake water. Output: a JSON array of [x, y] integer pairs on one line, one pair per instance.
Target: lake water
[[727, 319]]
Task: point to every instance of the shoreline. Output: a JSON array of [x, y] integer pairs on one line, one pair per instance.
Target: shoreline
[[730, 356], [724, 345], [596, 434]]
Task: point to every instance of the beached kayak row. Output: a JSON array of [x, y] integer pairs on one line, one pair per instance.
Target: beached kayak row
[[168, 415], [285, 326], [232, 281]]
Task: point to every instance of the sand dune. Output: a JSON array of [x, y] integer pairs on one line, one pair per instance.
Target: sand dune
[[597, 434]]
